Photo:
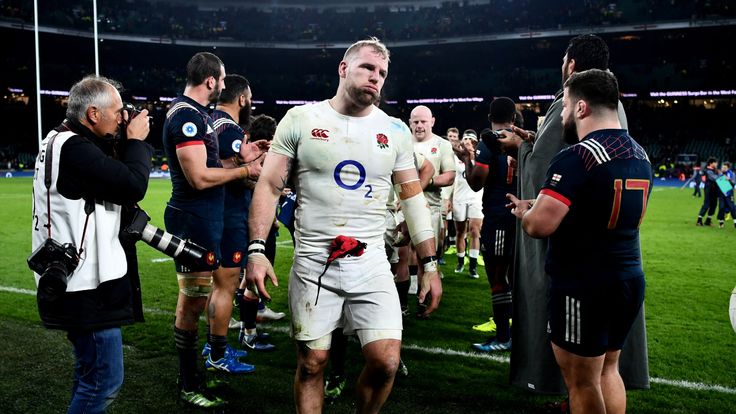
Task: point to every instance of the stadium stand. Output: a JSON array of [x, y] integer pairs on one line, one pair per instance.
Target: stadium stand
[[686, 60]]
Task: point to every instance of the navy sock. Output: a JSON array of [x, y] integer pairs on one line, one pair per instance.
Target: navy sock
[[218, 344], [186, 348]]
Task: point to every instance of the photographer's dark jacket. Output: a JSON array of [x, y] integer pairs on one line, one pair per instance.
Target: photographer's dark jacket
[[104, 290]]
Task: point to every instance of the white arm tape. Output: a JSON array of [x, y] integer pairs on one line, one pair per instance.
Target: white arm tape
[[418, 217]]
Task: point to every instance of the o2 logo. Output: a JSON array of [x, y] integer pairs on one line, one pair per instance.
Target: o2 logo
[[361, 177]]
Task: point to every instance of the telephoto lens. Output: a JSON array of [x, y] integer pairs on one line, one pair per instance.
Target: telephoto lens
[[187, 252]]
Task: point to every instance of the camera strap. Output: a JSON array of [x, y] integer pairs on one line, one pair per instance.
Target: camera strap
[[47, 178], [48, 168]]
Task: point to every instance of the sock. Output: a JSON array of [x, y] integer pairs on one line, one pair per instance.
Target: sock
[[248, 311], [218, 344], [501, 314], [186, 347], [413, 270], [248, 332], [403, 289], [473, 253], [460, 259]]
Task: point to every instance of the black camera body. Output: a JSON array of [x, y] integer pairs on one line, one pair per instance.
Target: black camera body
[[133, 112], [54, 262]]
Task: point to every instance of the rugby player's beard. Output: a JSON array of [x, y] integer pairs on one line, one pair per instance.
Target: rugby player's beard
[[215, 94], [565, 76], [245, 113], [570, 132], [363, 98]]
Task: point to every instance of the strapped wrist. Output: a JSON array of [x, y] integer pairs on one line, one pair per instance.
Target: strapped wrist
[[256, 246], [429, 263]]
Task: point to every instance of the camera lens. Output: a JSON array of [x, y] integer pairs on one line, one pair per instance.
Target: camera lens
[[53, 281]]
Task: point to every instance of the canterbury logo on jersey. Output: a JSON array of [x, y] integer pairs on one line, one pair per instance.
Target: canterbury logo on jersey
[[320, 133]]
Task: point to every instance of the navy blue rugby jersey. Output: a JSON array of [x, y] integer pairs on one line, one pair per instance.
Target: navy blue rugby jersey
[[500, 181], [230, 137], [605, 180], [189, 123]]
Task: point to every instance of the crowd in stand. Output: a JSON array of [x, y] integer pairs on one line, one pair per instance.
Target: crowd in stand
[[346, 23], [675, 66]]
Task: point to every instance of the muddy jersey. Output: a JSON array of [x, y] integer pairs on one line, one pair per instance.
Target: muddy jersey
[[342, 172], [439, 152]]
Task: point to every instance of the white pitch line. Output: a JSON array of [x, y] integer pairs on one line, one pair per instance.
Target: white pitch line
[[17, 290], [693, 385], [161, 260], [696, 386], [445, 351]]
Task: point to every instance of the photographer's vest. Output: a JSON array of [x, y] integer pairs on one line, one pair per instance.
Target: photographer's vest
[[103, 258]]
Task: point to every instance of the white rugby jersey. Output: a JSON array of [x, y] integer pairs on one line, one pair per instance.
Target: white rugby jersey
[[462, 193], [439, 152], [342, 172]]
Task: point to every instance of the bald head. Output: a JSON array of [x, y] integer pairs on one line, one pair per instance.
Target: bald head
[[421, 123]]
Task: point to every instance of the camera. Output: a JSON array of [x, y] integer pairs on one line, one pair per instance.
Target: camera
[[54, 262], [186, 252], [133, 112]]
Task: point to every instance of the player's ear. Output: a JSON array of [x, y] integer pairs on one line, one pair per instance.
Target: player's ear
[[342, 69], [582, 109]]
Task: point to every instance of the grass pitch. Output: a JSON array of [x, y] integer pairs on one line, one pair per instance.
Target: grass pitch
[[690, 275]]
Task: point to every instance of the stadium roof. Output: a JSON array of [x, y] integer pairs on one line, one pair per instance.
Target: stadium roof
[[323, 4]]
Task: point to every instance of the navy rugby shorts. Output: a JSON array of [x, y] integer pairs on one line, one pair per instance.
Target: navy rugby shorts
[[588, 321], [202, 231]]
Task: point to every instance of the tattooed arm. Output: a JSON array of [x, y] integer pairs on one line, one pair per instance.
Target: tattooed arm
[[271, 183]]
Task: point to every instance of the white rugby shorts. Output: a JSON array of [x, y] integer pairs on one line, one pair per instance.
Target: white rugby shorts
[[464, 211], [358, 293]]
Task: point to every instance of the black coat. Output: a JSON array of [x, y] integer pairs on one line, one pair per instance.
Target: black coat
[[99, 169]]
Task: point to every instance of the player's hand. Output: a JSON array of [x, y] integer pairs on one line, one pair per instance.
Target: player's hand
[[254, 170], [527, 136], [254, 150], [139, 126], [256, 270], [511, 141], [403, 237], [432, 285], [460, 151], [518, 207]]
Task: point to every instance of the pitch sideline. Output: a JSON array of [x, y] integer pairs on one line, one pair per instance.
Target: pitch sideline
[[697, 386]]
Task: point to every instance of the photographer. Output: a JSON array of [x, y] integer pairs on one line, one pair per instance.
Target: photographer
[[89, 287]]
